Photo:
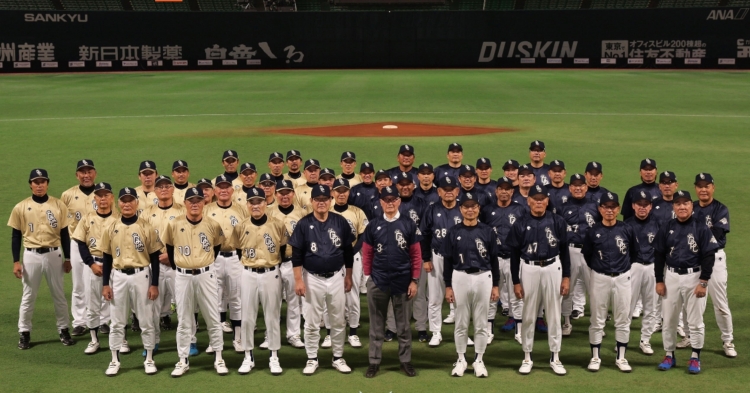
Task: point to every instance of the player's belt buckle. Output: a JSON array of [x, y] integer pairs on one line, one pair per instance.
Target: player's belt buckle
[[131, 271], [98, 259], [576, 245], [612, 274], [260, 270], [643, 263], [228, 254], [542, 262], [193, 272], [684, 270], [472, 270], [285, 261], [324, 275], [42, 250]]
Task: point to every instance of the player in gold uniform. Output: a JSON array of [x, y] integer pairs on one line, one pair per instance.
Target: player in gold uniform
[[248, 174], [294, 163], [147, 174], [348, 164], [302, 191], [181, 174]]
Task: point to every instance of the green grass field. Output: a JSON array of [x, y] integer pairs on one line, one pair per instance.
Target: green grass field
[[688, 121]]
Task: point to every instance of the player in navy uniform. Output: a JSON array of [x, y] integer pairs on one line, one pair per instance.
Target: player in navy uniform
[[648, 183], [484, 178], [580, 213], [540, 242], [537, 153], [405, 164], [559, 191], [593, 181], [609, 248], [468, 178], [501, 216], [321, 248], [526, 180], [427, 190], [510, 170], [471, 279], [364, 194], [455, 157], [662, 206], [685, 250], [716, 216]]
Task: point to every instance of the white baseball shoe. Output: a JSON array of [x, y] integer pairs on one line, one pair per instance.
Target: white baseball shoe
[[558, 368], [326, 342], [264, 344], [657, 326], [112, 370], [226, 327], [180, 369], [94, 346], [684, 343], [567, 329], [646, 348], [341, 366], [435, 340], [470, 342], [210, 349], [637, 313], [150, 367], [221, 367], [124, 348], [623, 365], [490, 337], [459, 367], [296, 341], [238, 346], [450, 319], [681, 331], [310, 367], [480, 371], [594, 364], [518, 338], [354, 341], [729, 349], [247, 365], [274, 365], [526, 367]]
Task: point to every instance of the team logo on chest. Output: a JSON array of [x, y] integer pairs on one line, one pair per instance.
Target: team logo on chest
[[93, 203], [270, 245], [512, 219], [691, 243], [564, 199], [293, 224], [481, 248], [651, 237], [709, 223], [551, 239], [138, 243], [51, 218], [334, 237], [621, 245], [456, 220], [204, 242], [414, 216], [351, 225], [233, 221], [156, 201], [589, 219], [400, 240]]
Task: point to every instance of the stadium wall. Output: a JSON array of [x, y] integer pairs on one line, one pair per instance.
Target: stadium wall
[[122, 41]]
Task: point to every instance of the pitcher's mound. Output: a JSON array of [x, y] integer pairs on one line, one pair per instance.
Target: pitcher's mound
[[391, 129]]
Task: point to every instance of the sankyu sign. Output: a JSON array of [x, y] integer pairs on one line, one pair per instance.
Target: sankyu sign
[[526, 49], [82, 18]]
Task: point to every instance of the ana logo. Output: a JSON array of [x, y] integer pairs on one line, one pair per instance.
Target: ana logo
[[400, 239], [724, 14], [270, 245], [205, 244], [138, 243]]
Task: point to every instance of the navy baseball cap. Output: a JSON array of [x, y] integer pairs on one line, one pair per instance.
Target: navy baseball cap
[[609, 197], [266, 178], [577, 178], [525, 168], [536, 145], [647, 162], [447, 182], [556, 164], [162, 178], [504, 180], [194, 192], [85, 164], [320, 191], [455, 146], [594, 166], [102, 187], [220, 179], [38, 173], [511, 163], [403, 176], [256, 193], [230, 154], [312, 162], [284, 185], [341, 182], [147, 166], [205, 181], [406, 149], [466, 169], [643, 195], [327, 172], [275, 156], [293, 154], [348, 155], [426, 168], [484, 161], [469, 198], [682, 194], [179, 164], [704, 178], [667, 175], [127, 191], [366, 166], [246, 166], [538, 190], [381, 173], [386, 192]]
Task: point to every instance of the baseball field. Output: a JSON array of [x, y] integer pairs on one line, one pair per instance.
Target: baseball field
[[690, 122]]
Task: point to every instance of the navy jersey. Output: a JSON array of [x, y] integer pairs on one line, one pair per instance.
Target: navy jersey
[[538, 238], [481, 196], [542, 174], [645, 231], [610, 249], [430, 196], [391, 241], [662, 210], [716, 217], [434, 226], [595, 193], [396, 171], [470, 247], [413, 208], [488, 189], [446, 170], [686, 244], [322, 242], [502, 219], [558, 196], [627, 203], [362, 195], [580, 214]]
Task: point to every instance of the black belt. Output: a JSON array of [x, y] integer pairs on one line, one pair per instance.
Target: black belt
[[228, 254], [260, 270], [610, 274], [324, 275], [576, 245], [42, 250], [644, 263], [541, 262], [684, 270], [131, 271], [472, 270], [97, 259], [504, 256], [193, 272], [286, 260]]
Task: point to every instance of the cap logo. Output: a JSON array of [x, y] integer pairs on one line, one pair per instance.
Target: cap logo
[[229, 153], [367, 165], [388, 189], [648, 161], [468, 195], [538, 189], [180, 163], [407, 147], [680, 193], [348, 154], [195, 190], [85, 162], [643, 194], [455, 144], [127, 190], [147, 164], [536, 143], [283, 183], [448, 180], [101, 185], [594, 165], [255, 192], [322, 189], [557, 162], [341, 182], [702, 176], [467, 167], [276, 155], [578, 177], [38, 172], [510, 161], [223, 178], [294, 152], [609, 194], [505, 179]]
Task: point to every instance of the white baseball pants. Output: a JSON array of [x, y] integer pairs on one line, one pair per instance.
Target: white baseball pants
[[97, 309], [78, 296], [680, 291], [49, 265], [603, 290], [353, 306], [643, 286], [230, 273], [541, 286], [471, 292], [261, 289], [515, 306], [201, 289], [717, 289], [164, 301], [131, 291], [321, 294], [293, 302], [578, 270], [435, 293]]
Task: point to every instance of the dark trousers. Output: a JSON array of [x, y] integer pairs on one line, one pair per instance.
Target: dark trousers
[[378, 300]]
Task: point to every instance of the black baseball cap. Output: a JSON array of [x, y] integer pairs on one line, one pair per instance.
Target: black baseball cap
[[403, 176], [284, 184], [577, 177], [469, 197], [127, 191], [206, 181], [647, 162], [466, 169], [230, 154], [256, 193], [348, 155], [147, 166], [404, 149], [293, 153], [667, 175], [366, 166], [643, 195], [38, 173], [504, 180], [484, 161], [538, 190], [327, 172], [682, 194], [556, 164], [704, 178], [455, 146], [163, 178], [179, 164], [85, 163], [220, 179], [341, 182], [194, 192], [609, 197], [320, 190], [511, 163], [594, 166], [102, 187], [386, 192], [381, 173], [447, 181], [265, 178], [426, 167], [536, 145], [246, 166], [275, 156], [525, 168], [312, 162]]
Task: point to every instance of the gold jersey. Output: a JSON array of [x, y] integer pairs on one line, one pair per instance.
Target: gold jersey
[[353, 181], [228, 218], [91, 228], [290, 222], [356, 219], [130, 245], [302, 195], [193, 243], [261, 245], [145, 200], [39, 223], [159, 218], [79, 204], [179, 195]]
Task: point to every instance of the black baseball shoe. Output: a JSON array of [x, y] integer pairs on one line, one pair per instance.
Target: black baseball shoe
[[24, 341], [389, 335], [576, 314], [166, 323], [408, 369], [135, 326], [423, 338], [372, 369], [104, 329], [65, 337], [79, 331]]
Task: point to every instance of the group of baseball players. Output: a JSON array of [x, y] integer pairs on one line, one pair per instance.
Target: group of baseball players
[[410, 237]]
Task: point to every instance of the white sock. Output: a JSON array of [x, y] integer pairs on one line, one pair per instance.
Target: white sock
[[238, 333], [621, 352], [94, 337], [149, 355], [567, 320], [670, 353], [555, 357], [115, 356], [519, 325], [249, 355], [478, 357], [595, 352], [461, 357], [527, 356], [217, 356]]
